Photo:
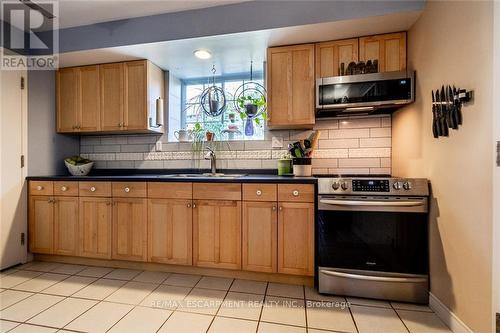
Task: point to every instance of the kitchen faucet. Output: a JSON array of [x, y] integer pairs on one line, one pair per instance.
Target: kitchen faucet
[[213, 160]]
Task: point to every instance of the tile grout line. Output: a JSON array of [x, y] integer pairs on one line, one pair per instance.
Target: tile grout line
[[218, 309], [262, 307], [397, 314]]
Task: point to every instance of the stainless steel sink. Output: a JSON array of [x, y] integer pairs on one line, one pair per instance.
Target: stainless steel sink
[[202, 175]]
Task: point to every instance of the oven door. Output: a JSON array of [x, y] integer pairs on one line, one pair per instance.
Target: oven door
[[379, 234]]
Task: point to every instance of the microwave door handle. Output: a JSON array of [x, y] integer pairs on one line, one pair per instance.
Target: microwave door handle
[[371, 203], [374, 278]]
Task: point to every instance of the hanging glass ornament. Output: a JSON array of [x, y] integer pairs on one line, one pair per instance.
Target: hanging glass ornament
[[213, 99]]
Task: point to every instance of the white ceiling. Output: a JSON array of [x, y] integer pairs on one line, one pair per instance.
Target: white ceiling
[[233, 53], [74, 13]]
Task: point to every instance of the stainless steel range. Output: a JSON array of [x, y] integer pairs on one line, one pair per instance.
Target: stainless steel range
[[372, 238]]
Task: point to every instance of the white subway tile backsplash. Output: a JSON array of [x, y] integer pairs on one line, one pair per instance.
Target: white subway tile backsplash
[[375, 142], [382, 132], [346, 146], [369, 152], [320, 171], [349, 133], [339, 143]]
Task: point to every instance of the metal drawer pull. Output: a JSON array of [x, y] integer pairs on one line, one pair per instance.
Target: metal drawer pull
[[374, 278], [371, 203], [258, 192], [126, 189], [92, 189], [64, 188], [39, 188], [295, 193]]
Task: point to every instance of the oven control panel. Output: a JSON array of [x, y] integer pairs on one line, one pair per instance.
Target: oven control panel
[[370, 185]]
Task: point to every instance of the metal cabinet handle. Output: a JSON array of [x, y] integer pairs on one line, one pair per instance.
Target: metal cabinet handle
[[64, 188], [295, 193], [194, 205], [258, 192], [39, 188], [92, 189], [188, 205], [126, 189], [274, 208], [280, 208]]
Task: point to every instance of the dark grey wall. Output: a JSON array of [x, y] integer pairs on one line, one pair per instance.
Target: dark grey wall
[[240, 17], [46, 148]]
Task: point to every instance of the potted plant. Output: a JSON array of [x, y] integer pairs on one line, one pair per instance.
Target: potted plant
[[251, 104]]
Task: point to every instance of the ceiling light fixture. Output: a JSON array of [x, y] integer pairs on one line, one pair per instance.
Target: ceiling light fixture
[[202, 54]]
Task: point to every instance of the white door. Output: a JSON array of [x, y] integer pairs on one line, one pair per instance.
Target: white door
[[13, 187]]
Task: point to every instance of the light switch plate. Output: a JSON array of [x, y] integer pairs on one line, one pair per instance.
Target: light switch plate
[[277, 142]]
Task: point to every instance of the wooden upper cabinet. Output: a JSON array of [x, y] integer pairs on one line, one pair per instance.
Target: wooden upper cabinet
[[112, 96], [109, 98], [130, 229], [389, 49], [296, 238], [170, 231], [67, 100], [329, 56], [94, 224], [41, 224], [217, 234], [89, 92], [66, 226], [290, 86]]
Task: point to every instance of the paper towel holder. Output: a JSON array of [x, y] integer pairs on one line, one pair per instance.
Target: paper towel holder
[[159, 114]]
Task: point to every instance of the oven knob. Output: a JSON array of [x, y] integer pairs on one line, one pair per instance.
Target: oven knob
[[397, 185], [344, 186], [335, 185], [407, 186]]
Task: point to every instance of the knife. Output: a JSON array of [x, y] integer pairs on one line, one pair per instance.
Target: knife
[[435, 126], [446, 111], [458, 105], [453, 110], [442, 115]]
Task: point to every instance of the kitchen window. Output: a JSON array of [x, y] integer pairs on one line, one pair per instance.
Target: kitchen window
[[192, 113]]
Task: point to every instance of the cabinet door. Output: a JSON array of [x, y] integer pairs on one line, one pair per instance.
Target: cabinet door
[[291, 86], [95, 227], [329, 56], [135, 107], [67, 100], [260, 236], [41, 224], [296, 238], [170, 231], [130, 229], [389, 49], [217, 234], [66, 225], [89, 92], [111, 78]]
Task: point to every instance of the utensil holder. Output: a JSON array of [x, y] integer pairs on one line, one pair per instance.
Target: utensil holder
[[302, 167]]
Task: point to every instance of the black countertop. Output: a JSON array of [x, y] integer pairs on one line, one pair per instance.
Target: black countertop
[[247, 176]]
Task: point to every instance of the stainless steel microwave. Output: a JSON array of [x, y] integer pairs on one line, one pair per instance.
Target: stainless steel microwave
[[364, 93]]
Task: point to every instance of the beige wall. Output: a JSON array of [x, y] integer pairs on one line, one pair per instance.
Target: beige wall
[[452, 44]]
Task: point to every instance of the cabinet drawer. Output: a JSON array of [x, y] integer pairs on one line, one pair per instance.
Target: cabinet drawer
[[214, 191], [170, 190], [64, 188], [94, 189], [41, 188], [129, 189], [296, 192], [260, 192]]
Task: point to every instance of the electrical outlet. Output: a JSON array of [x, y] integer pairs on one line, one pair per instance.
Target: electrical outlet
[[277, 142], [158, 146]]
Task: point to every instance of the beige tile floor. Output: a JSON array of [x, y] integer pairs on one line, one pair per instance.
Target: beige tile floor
[[49, 297]]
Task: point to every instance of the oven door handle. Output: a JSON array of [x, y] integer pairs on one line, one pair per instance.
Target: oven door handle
[[371, 203], [374, 278]]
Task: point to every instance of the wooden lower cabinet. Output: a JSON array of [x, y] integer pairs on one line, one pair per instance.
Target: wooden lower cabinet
[[130, 229], [296, 238], [170, 231], [66, 226], [260, 237], [217, 234], [95, 227], [41, 224]]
